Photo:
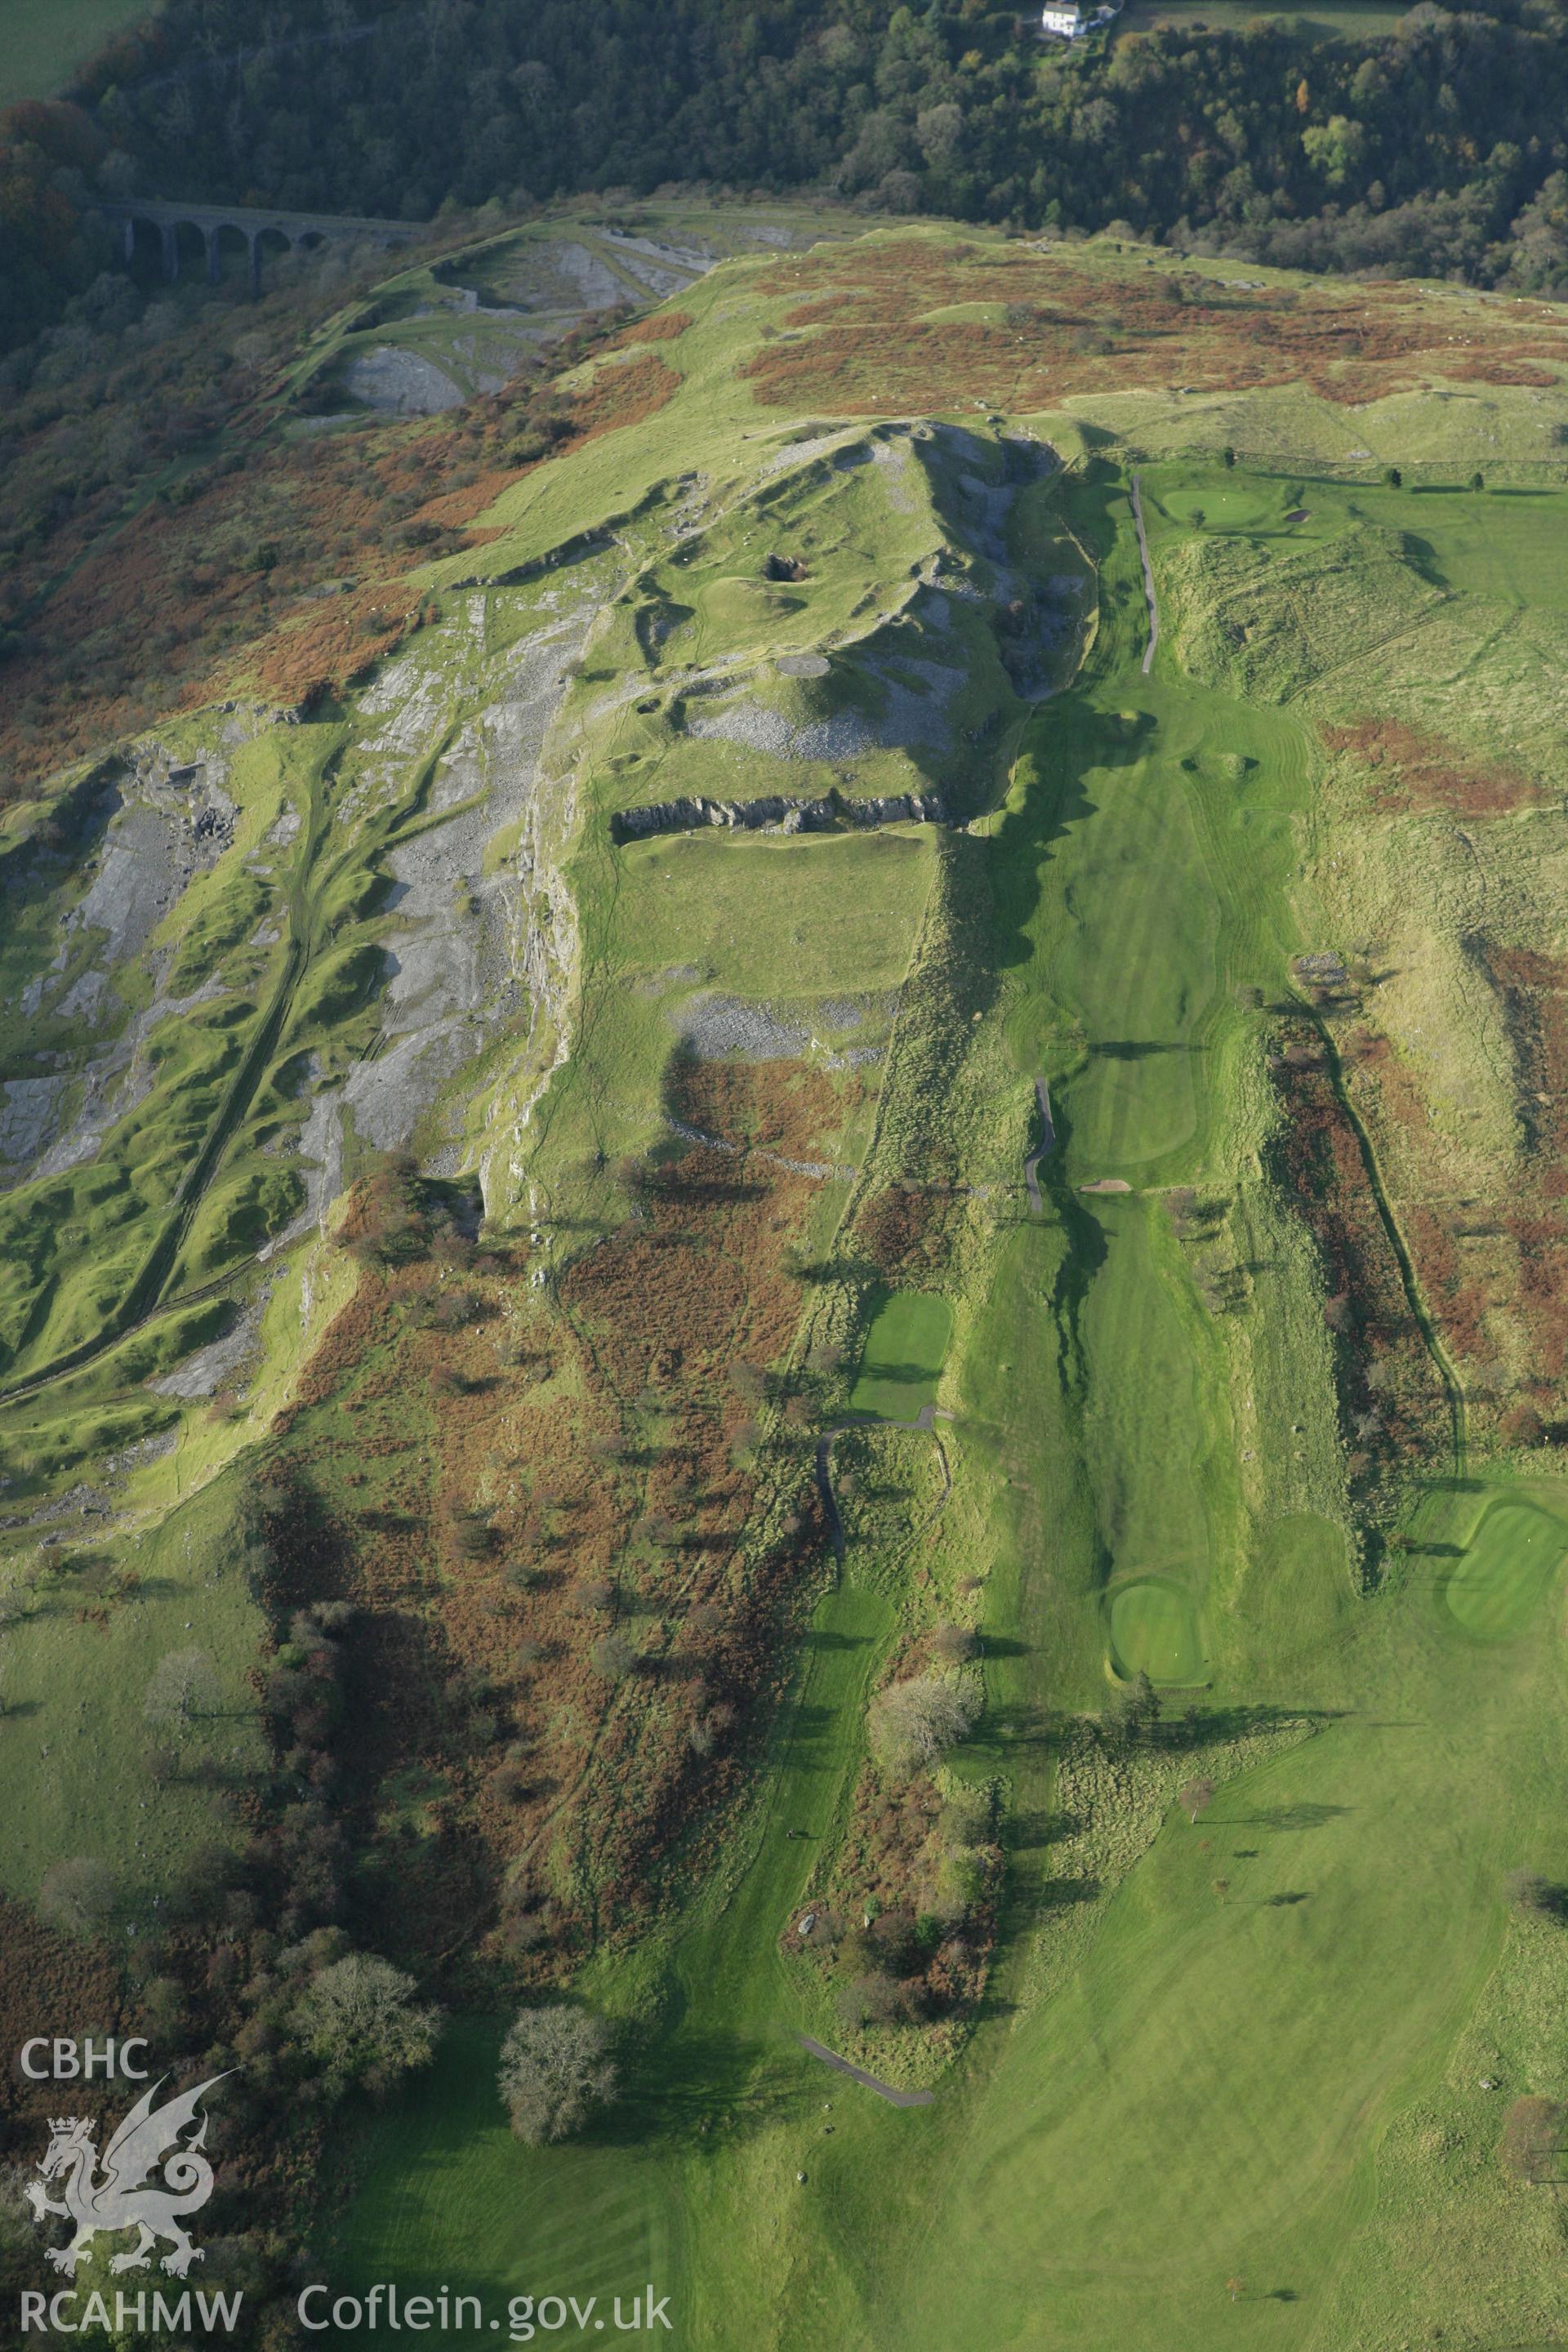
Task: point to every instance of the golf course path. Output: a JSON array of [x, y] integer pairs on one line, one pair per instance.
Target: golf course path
[[894, 2098], [1147, 580], [1031, 1165]]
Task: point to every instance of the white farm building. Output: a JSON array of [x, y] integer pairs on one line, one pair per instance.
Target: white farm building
[[1067, 20]]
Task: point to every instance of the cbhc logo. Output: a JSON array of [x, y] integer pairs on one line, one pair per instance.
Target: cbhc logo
[[79, 2061]]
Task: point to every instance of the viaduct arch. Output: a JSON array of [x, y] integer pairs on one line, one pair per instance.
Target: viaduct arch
[[298, 229]]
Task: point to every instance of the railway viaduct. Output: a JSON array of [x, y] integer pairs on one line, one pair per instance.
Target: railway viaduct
[[296, 230]]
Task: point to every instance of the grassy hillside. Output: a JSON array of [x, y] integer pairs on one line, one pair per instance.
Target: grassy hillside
[[779, 1123], [1133, 1487]]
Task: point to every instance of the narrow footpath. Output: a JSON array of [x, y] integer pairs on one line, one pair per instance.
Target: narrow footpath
[[1148, 580], [888, 2091], [1047, 1143]]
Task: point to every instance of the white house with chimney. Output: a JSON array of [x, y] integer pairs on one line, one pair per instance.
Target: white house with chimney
[[1068, 20]]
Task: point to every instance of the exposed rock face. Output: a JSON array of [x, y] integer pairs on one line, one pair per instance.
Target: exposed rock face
[[831, 813]]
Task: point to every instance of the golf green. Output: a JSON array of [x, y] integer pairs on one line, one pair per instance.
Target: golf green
[[1155, 1630], [1246, 508], [1502, 1579]]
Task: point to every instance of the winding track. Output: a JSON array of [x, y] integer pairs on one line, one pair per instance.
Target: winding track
[[888, 2091], [148, 1294], [1147, 580], [1047, 1143]]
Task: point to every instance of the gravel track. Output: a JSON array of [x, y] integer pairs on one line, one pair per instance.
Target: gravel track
[[888, 2091]]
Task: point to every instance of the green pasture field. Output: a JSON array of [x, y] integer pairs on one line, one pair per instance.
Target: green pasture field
[[1500, 543], [818, 914], [74, 1778], [814, 929], [901, 1360], [448, 2194], [42, 46]]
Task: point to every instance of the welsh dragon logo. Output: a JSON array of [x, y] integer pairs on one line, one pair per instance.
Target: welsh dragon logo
[[122, 2194]]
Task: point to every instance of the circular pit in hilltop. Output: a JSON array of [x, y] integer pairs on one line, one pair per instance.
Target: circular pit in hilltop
[[1508, 1564], [1155, 1630]]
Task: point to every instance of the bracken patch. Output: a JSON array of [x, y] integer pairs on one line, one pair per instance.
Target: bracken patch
[[1412, 769], [662, 328], [1388, 1394], [866, 341], [50, 1985], [278, 566], [621, 393], [593, 1476], [898, 1229]]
